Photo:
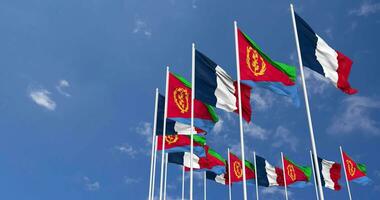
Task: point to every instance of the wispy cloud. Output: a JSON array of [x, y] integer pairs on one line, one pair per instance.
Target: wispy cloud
[[284, 137], [274, 191], [317, 84], [62, 85], [42, 98], [256, 131], [194, 4], [262, 100], [142, 27], [91, 185], [130, 180], [218, 126], [366, 8], [127, 149], [355, 114], [145, 129]]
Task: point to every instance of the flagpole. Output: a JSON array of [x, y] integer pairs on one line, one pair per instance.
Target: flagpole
[[205, 187], [164, 132], [240, 112], [313, 145], [183, 182], [192, 117], [153, 144], [315, 181], [345, 173], [283, 172], [229, 176], [257, 180], [166, 174], [154, 166]]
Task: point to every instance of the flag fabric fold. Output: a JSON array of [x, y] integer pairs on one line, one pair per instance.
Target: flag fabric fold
[[257, 69], [295, 173], [211, 162], [237, 169], [356, 172], [219, 178], [214, 86], [330, 172], [268, 175], [182, 143], [184, 158], [321, 58]]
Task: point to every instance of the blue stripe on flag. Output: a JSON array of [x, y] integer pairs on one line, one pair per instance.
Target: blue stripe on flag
[[205, 79], [261, 172]]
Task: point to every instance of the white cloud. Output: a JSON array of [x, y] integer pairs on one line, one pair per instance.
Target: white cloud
[[194, 4], [316, 83], [283, 137], [142, 27], [256, 131], [127, 149], [266, 191], [41, 97], [218, 126], [62, 84], [91, 185], [366, 8], [262, 100], [129, 180], [145, 129], [356, 115], [329, 33]]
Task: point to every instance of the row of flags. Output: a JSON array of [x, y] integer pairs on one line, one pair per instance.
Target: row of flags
[[183, 120], [229, 171]]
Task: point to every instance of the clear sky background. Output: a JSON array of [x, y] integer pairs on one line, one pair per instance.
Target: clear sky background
[[77, 81]]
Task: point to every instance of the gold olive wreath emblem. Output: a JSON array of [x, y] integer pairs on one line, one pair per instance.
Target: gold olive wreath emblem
[[291, 172], [181, 99], [351, 168], [170, 139], [253, 62], [237, 169]]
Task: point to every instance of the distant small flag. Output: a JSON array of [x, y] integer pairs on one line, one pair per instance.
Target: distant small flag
[[295, 173], [330, 172], [179, 105], [215, 87], [221, 178], [355, 172], [267, 175], [237, 169], [211, 162], [321, 58], [182, 143], [257, 69]]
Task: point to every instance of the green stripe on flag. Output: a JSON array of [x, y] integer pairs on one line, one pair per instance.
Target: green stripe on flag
[[198, 139], [216, 155], [362, 168], [210, 109], [249, 165], [306, 170], [289, 70]]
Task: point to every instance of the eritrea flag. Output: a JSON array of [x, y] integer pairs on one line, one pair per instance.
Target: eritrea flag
[[294, 172], [237, 170], [179, 105], [213, 162], [182, 143], [257, 69], [356, 172]]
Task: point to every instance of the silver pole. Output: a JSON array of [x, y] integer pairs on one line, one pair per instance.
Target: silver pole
[[229, 176], [283, 171], [192, 117], [315, 181], [153, 144], [345, 173], [257, 180], [313, 145]]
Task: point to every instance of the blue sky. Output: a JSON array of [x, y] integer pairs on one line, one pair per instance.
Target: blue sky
[[77, 88]]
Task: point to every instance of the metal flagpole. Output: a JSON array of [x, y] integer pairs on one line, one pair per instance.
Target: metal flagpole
[[183, 182], [192, 117], [314, 148], [345, 172], [153, 144], [315, 181], [166, 174], [283, 172], [204, 186], [164, 132], [154, 166], [257, 180], [240, 112], [229, 176]]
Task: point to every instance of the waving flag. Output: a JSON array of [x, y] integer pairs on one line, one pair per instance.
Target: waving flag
[[211, 162], [181, 143], [221, 178], [356, 172], [216, 88], [267, 175], [184, 158], [295, 173], [179, 105], [237, 169], [330, 172], [172, 127], [320, 57], [257, 69]]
